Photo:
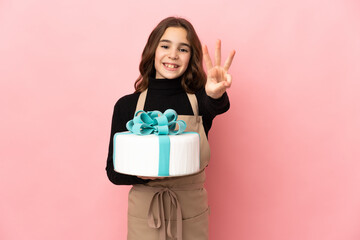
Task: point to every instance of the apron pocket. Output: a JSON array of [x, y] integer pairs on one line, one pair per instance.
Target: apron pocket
[[138, 229], [196, 227], [193, 228]]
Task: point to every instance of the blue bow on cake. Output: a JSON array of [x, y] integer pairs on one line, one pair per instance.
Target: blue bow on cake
[[161, 124], [155, 122]]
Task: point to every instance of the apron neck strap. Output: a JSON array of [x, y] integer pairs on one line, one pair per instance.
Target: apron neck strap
[[193, 101], [194, 104], [141, 101]]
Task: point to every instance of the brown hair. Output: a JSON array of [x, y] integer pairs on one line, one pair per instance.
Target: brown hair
[[194, 78]]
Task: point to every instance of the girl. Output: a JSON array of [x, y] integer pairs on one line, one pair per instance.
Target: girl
[[172, 76]]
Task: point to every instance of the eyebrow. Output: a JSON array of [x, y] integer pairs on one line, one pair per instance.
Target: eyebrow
[[181, 44]]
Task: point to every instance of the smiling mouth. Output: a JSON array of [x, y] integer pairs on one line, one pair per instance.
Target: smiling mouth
[[171, 66]]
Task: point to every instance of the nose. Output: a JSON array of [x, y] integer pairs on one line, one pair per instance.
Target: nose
[[173, 54]]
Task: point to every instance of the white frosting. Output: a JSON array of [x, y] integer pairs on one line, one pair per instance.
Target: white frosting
[[139, 155]]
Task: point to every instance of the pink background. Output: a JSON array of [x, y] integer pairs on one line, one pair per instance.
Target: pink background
[[285, 162]]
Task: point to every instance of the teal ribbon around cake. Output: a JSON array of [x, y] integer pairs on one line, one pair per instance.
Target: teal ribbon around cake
[[161, 124]]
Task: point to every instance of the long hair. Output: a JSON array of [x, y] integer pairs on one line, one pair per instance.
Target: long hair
[[194, 78]]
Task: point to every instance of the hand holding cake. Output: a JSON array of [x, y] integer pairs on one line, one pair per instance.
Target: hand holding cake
[[150, 178], [218, 78]]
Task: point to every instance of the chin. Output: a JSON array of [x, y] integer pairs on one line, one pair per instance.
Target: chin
[[170, 76]]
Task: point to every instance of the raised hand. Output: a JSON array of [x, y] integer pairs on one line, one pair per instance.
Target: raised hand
[[218, 78]]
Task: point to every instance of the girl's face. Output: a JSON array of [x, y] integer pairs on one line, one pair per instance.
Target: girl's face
[[172, 55]]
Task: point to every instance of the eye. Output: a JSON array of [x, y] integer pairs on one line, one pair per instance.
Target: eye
[[164, 46], [183, 50]]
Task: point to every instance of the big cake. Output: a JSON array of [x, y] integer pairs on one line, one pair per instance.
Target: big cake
[[156, 146]]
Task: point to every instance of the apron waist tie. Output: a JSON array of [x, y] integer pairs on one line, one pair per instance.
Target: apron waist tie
[[158, 221]]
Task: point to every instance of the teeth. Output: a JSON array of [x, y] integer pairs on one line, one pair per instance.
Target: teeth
[[170, 66]]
